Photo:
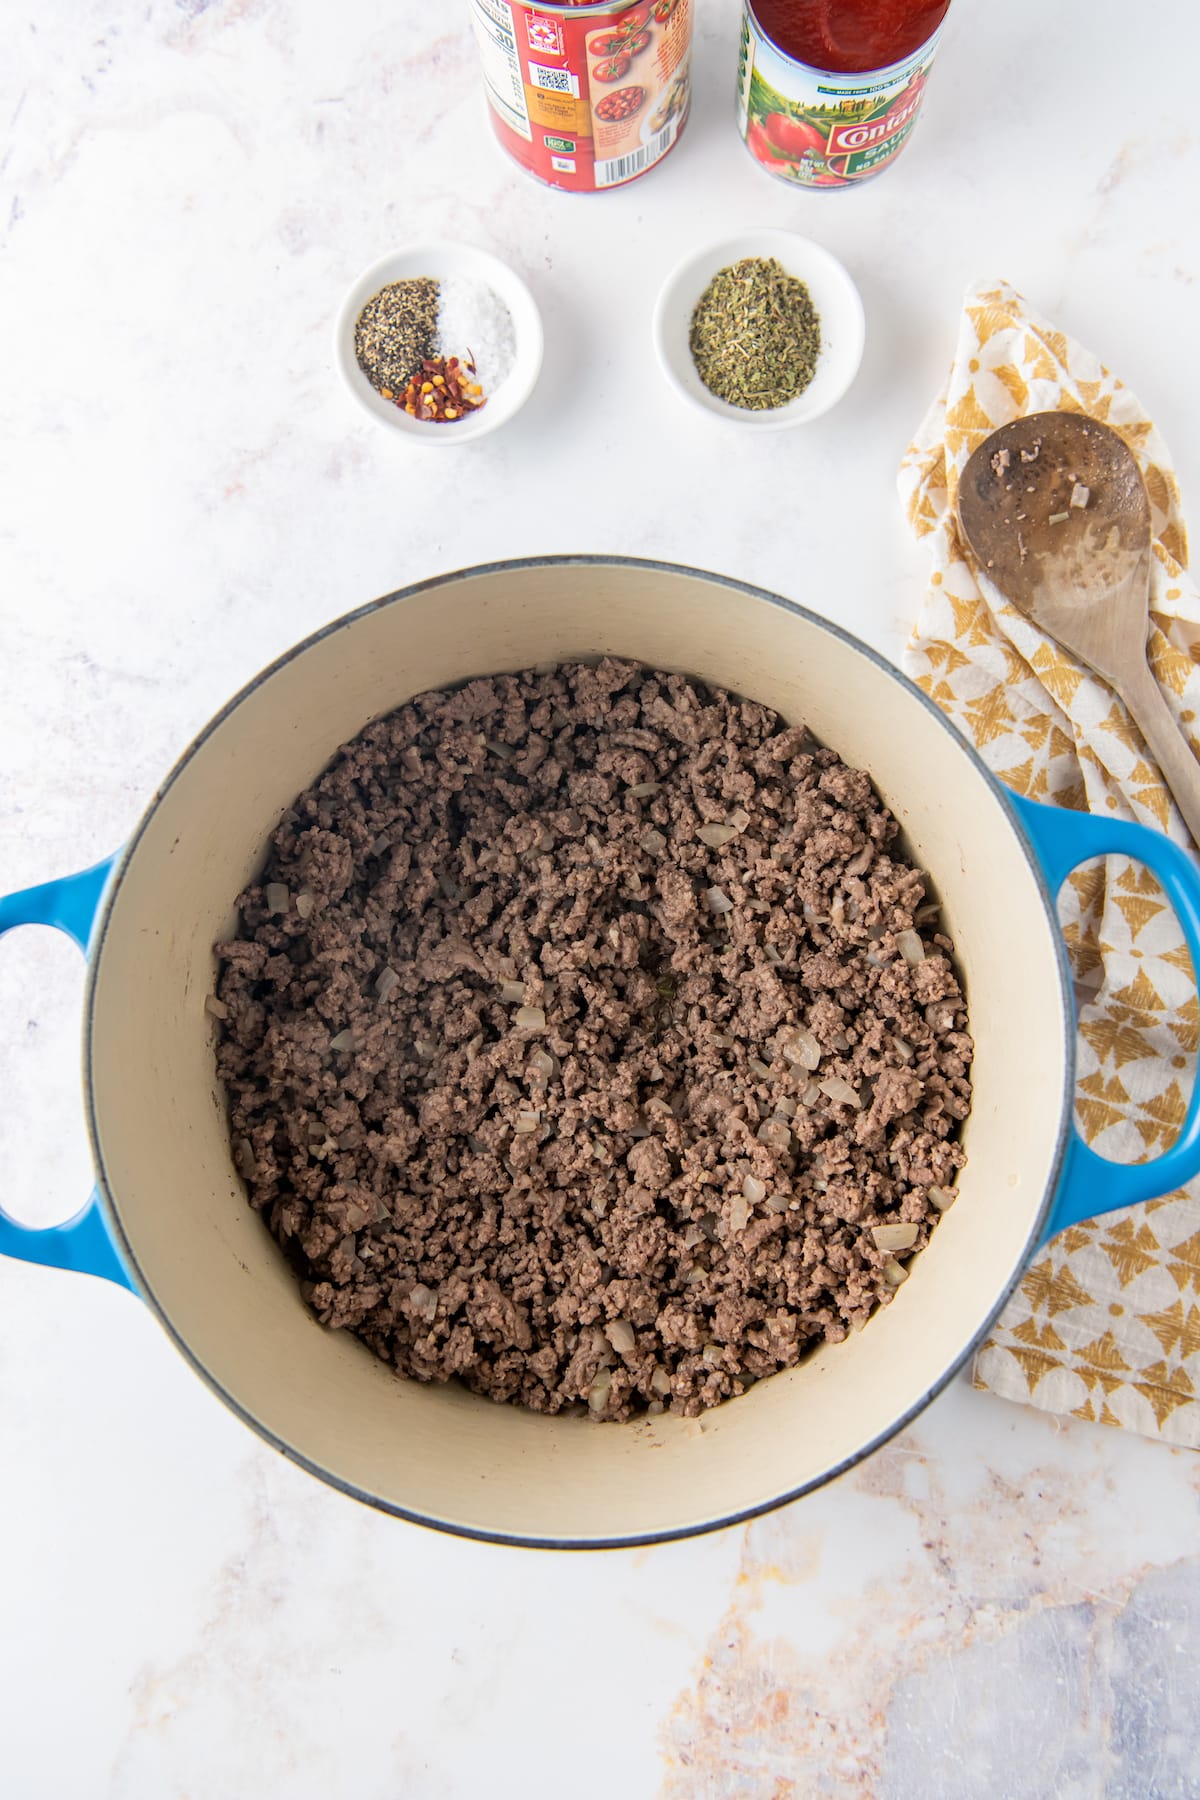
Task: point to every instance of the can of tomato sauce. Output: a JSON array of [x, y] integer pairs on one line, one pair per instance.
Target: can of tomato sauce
[[586, 97]]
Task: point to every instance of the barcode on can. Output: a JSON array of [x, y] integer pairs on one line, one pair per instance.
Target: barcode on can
[[624, 168], [554, 81]]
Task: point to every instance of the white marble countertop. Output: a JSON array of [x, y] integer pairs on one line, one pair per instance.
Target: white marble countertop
[[1001, 1606]]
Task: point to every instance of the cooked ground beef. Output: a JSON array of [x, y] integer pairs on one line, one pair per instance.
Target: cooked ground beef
[[542, 1085]]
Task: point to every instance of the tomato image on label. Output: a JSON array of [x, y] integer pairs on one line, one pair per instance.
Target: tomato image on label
[[635, 20], [791, 137], [606, 43], [664, 9], [762, 146], [613, 68], [635, 45], [621, 105]]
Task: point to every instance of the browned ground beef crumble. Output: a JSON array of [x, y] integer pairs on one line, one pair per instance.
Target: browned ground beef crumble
[[649, 1200]]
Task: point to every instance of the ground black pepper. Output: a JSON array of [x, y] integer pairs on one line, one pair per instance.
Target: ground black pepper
[[395, 333]]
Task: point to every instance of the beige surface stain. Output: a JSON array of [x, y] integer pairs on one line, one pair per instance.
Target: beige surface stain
[[810, 1714]]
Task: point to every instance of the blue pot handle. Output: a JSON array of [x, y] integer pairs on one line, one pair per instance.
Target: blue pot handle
[[82, 1243], [1062, 839]]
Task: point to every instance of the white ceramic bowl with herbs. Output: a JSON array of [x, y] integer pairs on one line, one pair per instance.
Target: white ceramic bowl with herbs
[[834, 360], [470, 282]]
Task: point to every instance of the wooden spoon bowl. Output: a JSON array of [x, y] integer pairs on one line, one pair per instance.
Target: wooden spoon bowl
[[1056, 514]]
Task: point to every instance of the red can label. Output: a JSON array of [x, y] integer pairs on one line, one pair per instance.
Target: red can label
[[586, 97]]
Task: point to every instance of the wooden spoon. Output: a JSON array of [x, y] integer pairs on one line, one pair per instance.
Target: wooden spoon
[[1055, 510]]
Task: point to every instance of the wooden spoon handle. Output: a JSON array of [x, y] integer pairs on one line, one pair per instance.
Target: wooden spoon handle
[[1166, 743]]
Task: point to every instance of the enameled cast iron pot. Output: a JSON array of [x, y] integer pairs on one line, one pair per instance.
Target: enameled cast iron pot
[[169, 1217]]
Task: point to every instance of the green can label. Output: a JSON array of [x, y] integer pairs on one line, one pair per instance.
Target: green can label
[[818, 129]]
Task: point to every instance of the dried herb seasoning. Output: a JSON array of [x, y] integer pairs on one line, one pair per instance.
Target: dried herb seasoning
[[755, 335], [395, 333]]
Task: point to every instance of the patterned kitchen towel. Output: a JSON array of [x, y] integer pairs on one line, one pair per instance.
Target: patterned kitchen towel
[[1106, 1324]]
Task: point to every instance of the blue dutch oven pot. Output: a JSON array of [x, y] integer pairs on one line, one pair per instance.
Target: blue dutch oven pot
[[169, 1218]]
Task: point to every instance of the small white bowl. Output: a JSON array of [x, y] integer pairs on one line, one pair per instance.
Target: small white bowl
[[834, 295], [442, 262]]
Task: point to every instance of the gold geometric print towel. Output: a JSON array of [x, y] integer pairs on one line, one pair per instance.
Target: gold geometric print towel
[[1106, 1324]]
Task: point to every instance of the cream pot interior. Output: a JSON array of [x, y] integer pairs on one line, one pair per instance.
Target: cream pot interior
[[218, 1281]]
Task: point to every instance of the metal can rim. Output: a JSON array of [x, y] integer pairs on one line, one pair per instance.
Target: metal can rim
[[577, 12]]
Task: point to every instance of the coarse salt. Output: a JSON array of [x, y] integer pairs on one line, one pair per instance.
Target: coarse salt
[[475, 325]]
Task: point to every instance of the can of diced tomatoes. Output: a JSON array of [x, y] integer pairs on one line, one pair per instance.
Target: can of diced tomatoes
[[586, 97]]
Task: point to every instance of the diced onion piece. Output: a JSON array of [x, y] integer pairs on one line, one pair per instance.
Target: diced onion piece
[[759, 1068], [217, 1008], [718, 901], [506, 969], [771, 952], [711, 1354], [909, 944], [715, 836], [386, 980], [527, 1121], [801, 1050], [653, 842], [778, 1203], [739, 819], [621, 1336], [278, 897], [739, 1213], [775, 1134], [785, 1108], [1080, 495], [890, 1238], [642, 790], [723, 1040], [894, 1273], [505, 752], [382, 842], [345, 1040], [512, 993], [422, 1300], [754, 1190], [903, 1049], [1058, 518], [244, 1159], [410, 761], [599, 1391], [424, 1049], [834, 1088], [544, 1063], [304, 904], [942, 1198], [530, 1018], [660, 1381], [654, 1409]]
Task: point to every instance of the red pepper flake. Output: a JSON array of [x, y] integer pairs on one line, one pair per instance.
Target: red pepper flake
[[442, 390]]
